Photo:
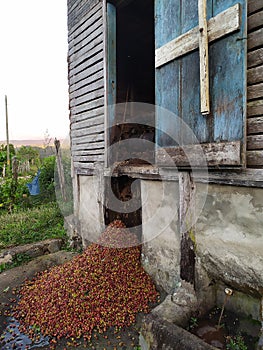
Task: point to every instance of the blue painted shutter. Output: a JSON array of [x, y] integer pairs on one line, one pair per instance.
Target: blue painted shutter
[[178, 86]]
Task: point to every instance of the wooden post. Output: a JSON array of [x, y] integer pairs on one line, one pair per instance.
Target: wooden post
[[15, 168], [203, 54], [61, 175], [187, 191], [7, 135]]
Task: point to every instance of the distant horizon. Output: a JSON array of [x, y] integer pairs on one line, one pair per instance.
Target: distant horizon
[[30, 141]]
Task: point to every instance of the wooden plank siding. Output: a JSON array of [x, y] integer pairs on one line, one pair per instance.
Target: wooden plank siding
[[86, 62], [255, 85]]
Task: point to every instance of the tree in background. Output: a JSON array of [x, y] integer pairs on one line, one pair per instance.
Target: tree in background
[[3, 156], [28, 158]]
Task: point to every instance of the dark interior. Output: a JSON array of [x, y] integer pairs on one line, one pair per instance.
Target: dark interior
[[135, 83], [135, 66], [135, 51]]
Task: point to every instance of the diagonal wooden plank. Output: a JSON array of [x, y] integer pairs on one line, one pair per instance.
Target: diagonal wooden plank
[[224, 23]]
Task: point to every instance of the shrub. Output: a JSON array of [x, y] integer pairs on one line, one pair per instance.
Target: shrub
[[46, 180], [14, 194]]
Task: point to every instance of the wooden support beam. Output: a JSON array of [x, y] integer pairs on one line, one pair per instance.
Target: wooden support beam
[[203, 55], [187, 190], [208, 154], [61, 175]]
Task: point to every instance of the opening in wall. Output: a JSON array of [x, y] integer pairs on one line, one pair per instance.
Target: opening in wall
[[128, 192], [131, 68]]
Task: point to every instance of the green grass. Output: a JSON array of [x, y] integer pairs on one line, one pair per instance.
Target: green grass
[[32, 225]]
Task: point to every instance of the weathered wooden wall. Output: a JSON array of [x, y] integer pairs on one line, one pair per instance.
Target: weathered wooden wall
[[178, 81], [86, 83], [86, 59], [255, 84]]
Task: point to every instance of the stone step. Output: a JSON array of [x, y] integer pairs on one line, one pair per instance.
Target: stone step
[[31, 250]]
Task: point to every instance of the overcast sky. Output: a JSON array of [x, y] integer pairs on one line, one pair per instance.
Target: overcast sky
[[33, 68]]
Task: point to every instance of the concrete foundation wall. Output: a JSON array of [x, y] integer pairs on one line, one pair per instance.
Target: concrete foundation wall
[[90, 209], [228, 239], [228, 232], [229, 236], [161, 250]]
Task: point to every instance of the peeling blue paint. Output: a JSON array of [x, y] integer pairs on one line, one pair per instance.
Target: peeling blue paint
[[178, 82]]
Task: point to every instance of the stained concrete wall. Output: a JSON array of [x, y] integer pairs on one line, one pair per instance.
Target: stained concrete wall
[[161, 249], [90, 208], [228, 234]]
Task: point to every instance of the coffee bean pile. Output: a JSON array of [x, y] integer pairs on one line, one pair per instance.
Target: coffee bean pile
[[101, 288]]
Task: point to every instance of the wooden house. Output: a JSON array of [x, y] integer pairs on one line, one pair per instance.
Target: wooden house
[[203, 62]]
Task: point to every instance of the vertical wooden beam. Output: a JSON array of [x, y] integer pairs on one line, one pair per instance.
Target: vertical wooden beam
[[187, 191], [61, 175], [110, 67], [203, 54], [7, 135]]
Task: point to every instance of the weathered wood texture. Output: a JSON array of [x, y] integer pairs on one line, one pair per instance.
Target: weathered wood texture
[[224, 23], [178, 86], [255, 85], [86, 60], [77, 9], [204, 57], [187, 191], [192, 156], [238, 177], [254, 6]]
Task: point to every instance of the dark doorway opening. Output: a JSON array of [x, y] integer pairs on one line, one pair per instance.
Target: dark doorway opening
[[135, 51], [128, 192], [131, 79], [135, 70]]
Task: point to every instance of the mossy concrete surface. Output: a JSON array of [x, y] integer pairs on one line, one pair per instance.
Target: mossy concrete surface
[[158, 334]]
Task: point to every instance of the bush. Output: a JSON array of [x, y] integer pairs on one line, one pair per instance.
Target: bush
[[14, 194], [28, 226], [46, 180]]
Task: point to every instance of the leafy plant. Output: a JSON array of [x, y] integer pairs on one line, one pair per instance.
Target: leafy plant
[[13, 194], [18, 260], [3, 155], [2, 267], [28, 226], [193, 323], [46, 180], [236, 343]]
